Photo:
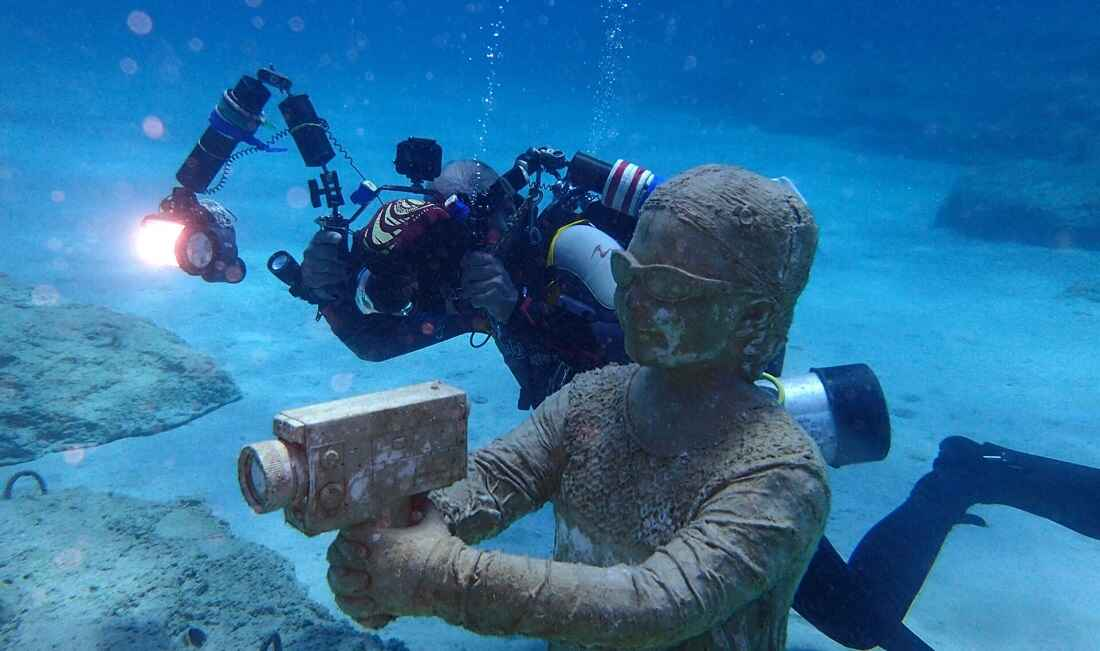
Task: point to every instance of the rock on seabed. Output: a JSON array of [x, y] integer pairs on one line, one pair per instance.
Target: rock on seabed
[[1033, 202], [81, 375], [87, 570]]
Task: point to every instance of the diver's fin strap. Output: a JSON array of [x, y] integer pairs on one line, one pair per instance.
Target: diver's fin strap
[[230, 130]]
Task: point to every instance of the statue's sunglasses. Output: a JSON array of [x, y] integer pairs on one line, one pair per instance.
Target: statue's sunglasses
[[663, 282]]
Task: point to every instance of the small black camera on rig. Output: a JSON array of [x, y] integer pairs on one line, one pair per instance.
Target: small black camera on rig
[[419, 159]]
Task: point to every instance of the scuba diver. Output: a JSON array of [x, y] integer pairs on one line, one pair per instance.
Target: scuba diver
[[548, 326], [547, 333]]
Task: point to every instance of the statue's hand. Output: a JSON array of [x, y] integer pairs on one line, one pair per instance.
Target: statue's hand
[[375, 573]]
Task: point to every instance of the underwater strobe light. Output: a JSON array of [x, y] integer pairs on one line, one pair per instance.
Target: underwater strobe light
[[196, 235], [199, 235]]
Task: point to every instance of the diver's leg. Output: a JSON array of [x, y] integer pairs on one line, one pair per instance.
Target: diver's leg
[[1062, 492], [896, 555], [837, 603]]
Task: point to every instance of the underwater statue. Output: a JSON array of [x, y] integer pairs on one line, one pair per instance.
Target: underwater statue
[[688, 503]]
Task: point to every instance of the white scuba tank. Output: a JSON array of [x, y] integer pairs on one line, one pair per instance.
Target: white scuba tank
[[584, 251]]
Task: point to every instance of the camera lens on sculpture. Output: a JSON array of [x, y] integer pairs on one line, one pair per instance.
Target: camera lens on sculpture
[[257, 480], [265, 471]]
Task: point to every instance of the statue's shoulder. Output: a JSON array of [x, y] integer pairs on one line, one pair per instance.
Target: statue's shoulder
[[596, 404], [763, 433], [601, 381]]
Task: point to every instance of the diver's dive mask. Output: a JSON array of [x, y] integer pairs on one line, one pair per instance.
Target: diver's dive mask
[[663, 282]]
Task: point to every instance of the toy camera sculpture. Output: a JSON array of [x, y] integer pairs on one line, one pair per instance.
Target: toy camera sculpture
[[360, 459]]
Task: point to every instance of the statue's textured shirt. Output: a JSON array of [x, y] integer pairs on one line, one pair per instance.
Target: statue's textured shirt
[[701, 550]]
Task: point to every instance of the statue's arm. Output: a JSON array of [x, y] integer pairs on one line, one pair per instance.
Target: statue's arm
[[508, 478], [750, 536]]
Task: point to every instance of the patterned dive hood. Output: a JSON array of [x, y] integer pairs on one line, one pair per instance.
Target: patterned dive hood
[[400, 234]]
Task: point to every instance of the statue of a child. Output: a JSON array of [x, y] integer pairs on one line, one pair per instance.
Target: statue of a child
[[688, 503]]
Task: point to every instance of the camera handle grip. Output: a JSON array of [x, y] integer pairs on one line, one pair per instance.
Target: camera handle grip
[[395, 514]]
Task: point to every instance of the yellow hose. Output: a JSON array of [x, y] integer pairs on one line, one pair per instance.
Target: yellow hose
[[778, 384], [554, 240]]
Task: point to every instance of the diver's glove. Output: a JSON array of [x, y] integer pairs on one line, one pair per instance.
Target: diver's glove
[[325, 273], [487, 285], [378, 575]]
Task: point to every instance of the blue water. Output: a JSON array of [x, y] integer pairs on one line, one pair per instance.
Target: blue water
[[873, 108]]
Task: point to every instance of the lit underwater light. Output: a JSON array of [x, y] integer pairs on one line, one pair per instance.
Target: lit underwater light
[[156, 242]]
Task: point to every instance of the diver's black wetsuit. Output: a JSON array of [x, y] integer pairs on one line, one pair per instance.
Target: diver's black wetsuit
[[860, 603]]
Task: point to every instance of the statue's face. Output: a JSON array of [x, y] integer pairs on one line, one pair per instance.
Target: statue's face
[[668, 319]]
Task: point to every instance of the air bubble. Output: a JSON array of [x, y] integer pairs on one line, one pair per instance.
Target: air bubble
[[69, 559], [45, 296], [196, 44], [74, 456], [297, 197], [297, 24], [153, 127], [341, 382], [57, 196], [128, 65], [139, 22], [492, 53], [612, 57]]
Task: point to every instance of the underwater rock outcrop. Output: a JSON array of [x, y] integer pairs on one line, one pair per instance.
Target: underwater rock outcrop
[[86, 570], [1034, 202], [79, 375]]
